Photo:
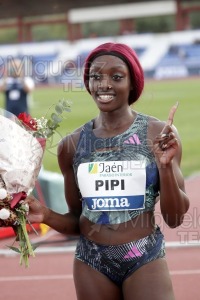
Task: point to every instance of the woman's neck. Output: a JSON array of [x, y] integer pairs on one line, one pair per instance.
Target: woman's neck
[[115, 119], [111, 124]]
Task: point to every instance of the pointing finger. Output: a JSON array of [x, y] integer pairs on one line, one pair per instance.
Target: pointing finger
[[170, 119], [171, 114]]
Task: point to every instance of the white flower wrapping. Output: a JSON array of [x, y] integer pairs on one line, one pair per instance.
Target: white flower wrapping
[[20, 155], [22, 143], [20, 162]]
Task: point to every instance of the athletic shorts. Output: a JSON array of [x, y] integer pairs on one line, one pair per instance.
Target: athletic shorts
[[118, 262]]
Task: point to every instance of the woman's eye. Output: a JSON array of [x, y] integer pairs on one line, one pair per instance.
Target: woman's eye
[[117, 77], [95, 76]]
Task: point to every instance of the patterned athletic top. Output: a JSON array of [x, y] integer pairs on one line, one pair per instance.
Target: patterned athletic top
[[118, 176]]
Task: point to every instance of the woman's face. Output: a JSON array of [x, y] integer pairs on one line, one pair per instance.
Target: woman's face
[[109, 82]]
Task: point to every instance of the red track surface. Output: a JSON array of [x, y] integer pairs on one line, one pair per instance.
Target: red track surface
[[50, 275]]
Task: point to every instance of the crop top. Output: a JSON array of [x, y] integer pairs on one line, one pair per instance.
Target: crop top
[[117, 177]]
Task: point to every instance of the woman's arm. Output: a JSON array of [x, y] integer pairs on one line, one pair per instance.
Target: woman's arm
[[64, 223], [167, 148], [174, 202]]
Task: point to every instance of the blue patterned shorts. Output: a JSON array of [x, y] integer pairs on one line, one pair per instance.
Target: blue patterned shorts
[[118, 262]]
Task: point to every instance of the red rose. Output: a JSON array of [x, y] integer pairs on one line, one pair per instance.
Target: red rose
[[28, 121]]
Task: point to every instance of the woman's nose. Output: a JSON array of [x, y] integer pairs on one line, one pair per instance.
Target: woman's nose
[[104, 84]]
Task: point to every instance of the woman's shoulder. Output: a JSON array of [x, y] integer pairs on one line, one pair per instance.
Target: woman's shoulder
[[153, 123], [155, 126], [66, 149], [69, 143], [70, 140]]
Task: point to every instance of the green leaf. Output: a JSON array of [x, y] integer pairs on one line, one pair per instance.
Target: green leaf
[[56, 118], [58, 109], [67, 109], [14, 249], [34, 246], [65, 103], [49, 132], [50, 123]]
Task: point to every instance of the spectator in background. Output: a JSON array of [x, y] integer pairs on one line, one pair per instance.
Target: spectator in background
[[16, 86]]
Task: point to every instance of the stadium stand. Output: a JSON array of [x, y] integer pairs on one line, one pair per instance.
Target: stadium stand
[[169, 55], [182, 57]]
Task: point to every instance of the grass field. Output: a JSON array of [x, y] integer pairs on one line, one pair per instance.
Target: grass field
[[156, 100]]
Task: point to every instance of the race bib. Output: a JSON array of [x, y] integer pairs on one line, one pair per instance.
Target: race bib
[[113, 185], [14, 95]]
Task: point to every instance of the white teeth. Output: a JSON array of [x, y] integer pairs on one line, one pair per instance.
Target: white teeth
[[106, 97]]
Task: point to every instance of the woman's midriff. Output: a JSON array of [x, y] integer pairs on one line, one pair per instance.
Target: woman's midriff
[[109, 234]]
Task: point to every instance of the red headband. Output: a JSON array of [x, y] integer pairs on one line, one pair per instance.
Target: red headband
[[129, 56]]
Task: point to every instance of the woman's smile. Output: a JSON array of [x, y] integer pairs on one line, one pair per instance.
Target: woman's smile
[[105, 98]]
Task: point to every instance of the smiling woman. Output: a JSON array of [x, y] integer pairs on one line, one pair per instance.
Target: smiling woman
[[108, 84], [116, 167], [124, 57]]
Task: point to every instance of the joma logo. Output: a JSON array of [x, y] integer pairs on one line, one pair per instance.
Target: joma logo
[[103, 203]]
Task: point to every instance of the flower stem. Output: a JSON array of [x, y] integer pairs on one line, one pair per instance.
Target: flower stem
[[25, 246]]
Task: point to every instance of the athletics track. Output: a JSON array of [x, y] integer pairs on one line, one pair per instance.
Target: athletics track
[[49, 276]]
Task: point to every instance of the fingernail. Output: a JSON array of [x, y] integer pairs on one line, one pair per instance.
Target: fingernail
[[164, 135], [177, 104]]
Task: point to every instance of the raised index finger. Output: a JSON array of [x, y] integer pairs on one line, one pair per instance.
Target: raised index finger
[[171, 114]]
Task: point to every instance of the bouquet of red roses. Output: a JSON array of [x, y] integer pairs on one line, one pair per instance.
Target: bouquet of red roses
[[22, 144]]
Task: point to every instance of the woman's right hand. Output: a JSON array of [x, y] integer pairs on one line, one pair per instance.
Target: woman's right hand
[[36, 213]]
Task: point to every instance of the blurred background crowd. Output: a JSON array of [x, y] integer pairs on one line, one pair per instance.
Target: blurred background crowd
[[52, 39]]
